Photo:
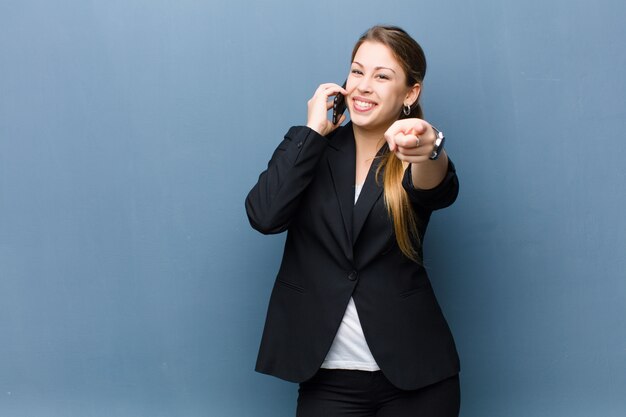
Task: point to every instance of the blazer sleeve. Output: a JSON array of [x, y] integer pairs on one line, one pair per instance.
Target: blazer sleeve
[[443, 195], [271, 203]]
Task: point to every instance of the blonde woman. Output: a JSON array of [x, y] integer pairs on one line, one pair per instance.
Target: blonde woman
[[352, 317]]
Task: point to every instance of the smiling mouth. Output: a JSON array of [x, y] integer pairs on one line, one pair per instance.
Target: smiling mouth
[[363, 106]]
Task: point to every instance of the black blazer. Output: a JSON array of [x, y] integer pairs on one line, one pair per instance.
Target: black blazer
[[336, 249]]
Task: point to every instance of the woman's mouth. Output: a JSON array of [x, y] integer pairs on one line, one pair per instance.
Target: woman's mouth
[[362, 105]]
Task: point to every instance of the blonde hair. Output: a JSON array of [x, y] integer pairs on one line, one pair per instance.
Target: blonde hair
[[411, 58]]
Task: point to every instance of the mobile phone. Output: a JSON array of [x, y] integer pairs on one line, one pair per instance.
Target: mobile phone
[[339, 105]]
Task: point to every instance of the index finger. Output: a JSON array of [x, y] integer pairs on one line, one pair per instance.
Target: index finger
[[403, 125], [330, 89]]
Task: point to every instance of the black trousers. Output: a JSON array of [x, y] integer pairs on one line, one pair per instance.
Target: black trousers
[[339, 393]]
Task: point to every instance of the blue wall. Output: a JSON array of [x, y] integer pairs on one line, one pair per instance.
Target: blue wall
[[131, 131]]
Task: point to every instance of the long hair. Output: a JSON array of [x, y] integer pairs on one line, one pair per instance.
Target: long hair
[[411, 58]]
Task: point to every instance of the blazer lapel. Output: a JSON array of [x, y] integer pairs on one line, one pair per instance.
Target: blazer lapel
[[342, 164], [370, 193]]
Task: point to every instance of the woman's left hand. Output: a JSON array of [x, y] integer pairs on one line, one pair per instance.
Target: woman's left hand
[[412, 140]]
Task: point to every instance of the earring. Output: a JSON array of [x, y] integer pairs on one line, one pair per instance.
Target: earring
[[406, 109]]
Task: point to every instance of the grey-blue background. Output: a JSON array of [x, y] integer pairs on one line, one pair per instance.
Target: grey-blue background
[[131, 131]]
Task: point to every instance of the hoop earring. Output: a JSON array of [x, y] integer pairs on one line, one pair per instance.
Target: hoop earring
[[406, 109]]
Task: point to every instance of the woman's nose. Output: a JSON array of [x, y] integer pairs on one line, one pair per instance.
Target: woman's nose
[[364, 85]]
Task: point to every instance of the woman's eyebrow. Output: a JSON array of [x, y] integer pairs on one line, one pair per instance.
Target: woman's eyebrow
[[375, 69]]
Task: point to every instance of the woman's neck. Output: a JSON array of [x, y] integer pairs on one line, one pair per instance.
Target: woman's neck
[[367, 144]]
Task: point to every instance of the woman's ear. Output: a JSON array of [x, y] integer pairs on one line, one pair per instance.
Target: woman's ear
[[413, 94]]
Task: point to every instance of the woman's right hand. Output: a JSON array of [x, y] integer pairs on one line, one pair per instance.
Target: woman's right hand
[[318, 106]]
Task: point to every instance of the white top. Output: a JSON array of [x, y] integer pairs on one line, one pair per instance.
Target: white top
[[349, 349]]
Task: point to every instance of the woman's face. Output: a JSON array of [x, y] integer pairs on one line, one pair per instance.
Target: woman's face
[[377, 87]]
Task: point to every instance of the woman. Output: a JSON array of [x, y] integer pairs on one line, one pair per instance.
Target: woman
[[352, 316]]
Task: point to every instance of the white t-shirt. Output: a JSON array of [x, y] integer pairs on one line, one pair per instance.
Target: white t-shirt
[[349, 349]]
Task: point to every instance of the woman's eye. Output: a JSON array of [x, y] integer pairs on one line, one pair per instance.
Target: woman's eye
[[383, 76], [356, 71]]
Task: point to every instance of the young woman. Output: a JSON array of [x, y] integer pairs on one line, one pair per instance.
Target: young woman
[[352, 316]]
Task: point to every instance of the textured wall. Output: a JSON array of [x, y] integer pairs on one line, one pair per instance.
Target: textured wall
[[131, 131]]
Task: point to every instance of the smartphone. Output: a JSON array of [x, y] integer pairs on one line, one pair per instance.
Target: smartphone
[[339, 105]]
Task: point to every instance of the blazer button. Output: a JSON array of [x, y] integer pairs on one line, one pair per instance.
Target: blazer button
[[352, 276], [299, 145]]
